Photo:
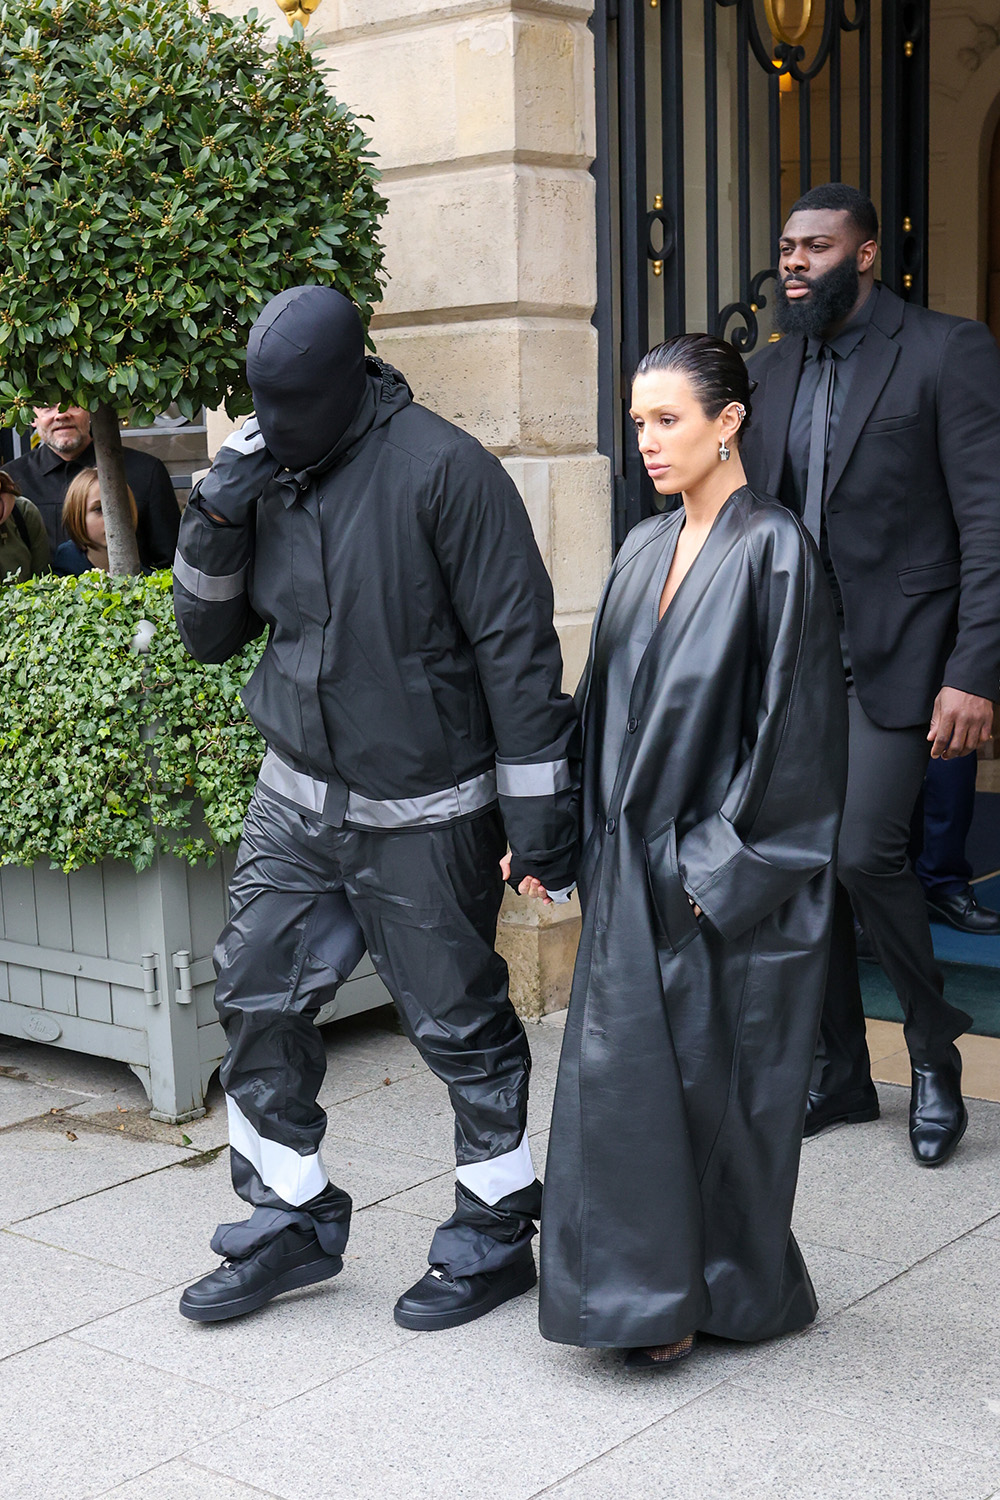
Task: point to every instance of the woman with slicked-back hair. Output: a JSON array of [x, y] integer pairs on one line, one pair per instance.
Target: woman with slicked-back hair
[[714, 721]]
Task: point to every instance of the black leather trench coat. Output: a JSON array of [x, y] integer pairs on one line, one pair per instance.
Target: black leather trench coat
[[678, 1114]]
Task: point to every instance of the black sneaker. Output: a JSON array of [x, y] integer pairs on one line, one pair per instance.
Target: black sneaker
[[292, 1259], [442, 1301]]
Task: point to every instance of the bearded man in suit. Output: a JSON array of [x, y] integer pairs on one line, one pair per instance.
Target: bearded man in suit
[[878, 422]]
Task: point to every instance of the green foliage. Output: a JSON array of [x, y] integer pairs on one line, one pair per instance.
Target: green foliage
[[163, 171], [104, 751]]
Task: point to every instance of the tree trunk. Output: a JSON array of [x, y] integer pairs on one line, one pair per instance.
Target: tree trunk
[[123, 550]]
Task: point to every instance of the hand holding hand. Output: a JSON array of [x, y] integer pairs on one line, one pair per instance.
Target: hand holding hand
[[529, 886], [959, 723]]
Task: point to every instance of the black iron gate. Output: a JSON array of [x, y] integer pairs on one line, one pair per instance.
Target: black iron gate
[[713, 116]]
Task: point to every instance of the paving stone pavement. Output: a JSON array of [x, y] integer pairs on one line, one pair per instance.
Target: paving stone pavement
[[893, 1394]]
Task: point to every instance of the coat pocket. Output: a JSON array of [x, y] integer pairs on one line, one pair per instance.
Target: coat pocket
[[930, 578], [891, 424], [670, 900]]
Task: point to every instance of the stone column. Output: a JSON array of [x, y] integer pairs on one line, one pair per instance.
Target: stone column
[[482, 116]]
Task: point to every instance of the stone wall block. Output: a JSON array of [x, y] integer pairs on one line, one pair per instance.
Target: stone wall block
[[567, 499], [518, 384], [496, 237], [574, 639], [557, 267], [558, 386], [581, 530], [337, 17], [476, 86]]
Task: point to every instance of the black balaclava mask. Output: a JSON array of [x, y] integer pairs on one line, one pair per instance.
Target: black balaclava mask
[[306, 368]]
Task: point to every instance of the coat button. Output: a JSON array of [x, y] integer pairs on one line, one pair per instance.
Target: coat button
[[632, 725], [610, 825]]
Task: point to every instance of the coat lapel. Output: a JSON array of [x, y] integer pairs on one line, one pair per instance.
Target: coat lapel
[[875, 357], [777, 400]]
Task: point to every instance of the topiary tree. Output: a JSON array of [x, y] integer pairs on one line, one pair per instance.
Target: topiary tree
[[163, 170]]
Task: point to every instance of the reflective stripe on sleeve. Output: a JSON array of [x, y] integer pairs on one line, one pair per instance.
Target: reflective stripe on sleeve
[[543, 779], [494, 1179], [215, 588], [294, 1178], [246, 439]]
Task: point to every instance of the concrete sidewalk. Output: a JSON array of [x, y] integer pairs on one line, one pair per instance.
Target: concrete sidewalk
[[894, 1394]]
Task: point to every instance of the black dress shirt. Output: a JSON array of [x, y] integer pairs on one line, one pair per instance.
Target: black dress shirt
[[45, 477]]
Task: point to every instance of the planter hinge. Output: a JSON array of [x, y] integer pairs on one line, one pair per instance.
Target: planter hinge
[[149, 983], [182, 963]]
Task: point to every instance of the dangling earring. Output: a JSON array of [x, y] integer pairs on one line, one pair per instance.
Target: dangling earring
[[723, 451]]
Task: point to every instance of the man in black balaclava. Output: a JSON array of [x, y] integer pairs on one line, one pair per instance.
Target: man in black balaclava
[[409, 695]]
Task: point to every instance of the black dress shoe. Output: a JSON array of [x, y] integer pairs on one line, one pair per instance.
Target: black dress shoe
[[292, 1259], [961, 909], [938, 1117], [855, 1107], [438, 1300]]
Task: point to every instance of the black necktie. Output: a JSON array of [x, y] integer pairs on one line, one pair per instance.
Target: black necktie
[[819, 428]]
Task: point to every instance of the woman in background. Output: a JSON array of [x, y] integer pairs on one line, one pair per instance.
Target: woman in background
[[714, 721], [83, 520]]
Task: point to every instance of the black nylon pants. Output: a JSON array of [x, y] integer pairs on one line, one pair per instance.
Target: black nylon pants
[[306, 900]]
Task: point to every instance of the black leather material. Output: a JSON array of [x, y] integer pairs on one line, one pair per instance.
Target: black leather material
[[960, 909], [938, 1117], [438, 1300], [293, 1258], [852, 1108], [689, 1042]]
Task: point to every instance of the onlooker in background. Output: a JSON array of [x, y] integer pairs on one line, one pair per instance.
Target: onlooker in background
[[24, 547], [949, 800], [65, 449], [83, 521]]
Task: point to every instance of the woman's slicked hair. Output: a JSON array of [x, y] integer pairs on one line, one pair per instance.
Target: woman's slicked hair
[[716, 372]]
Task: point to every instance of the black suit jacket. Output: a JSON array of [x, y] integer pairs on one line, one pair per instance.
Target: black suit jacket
[[912, 502]]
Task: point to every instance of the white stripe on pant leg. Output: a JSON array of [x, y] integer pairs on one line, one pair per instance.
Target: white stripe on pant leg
[[294, 1178], [493, 1180]]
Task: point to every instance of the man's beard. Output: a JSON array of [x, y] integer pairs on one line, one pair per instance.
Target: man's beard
[[832, 296], [67, 440]]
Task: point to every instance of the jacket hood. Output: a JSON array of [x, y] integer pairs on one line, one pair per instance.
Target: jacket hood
[[306, 369]]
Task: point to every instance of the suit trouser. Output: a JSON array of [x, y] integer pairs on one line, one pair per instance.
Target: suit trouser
[[306, 900], [885, 772]]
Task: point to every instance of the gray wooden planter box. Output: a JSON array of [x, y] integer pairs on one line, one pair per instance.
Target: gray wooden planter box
[[117, 963]]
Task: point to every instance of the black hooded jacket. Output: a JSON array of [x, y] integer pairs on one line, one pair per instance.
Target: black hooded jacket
[[412, 671]]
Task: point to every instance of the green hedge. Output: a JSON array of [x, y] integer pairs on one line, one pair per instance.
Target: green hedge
[[105, 752]]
